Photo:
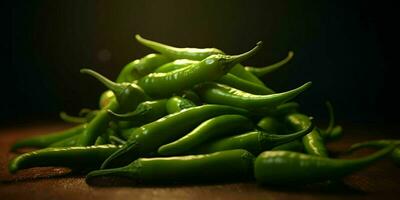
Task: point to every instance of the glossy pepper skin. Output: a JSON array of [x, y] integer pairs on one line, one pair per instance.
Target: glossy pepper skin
[[379, 144], [141, 67], [176, 104], [313, 142], [105, 98], [219, 126], [178, 53], [225, 165], [42, 141], [74, 157], [128, 96], [148, 138], [227, 79], [271, 124], [176, 64], [262, 71], [289, 168], [158, 85], [145, 112], [254, 142], [221, 94]]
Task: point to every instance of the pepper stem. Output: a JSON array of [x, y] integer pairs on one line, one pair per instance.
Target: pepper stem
[[244, 56], [115, 87]]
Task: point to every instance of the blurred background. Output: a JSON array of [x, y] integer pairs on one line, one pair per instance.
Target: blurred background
[[346, 49]]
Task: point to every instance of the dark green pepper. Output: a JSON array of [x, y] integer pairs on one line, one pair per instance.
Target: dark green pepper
[[225, 165], [141, 67], [178, 53], [220, 126], [259, 72], [42, 141], [289, 168], [379, 144], [209, 69], [255, 141], [150, 137], [221, 94], [74, 157], [313, 142]]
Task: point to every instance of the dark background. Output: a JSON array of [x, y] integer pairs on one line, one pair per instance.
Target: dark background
[[346, 48]]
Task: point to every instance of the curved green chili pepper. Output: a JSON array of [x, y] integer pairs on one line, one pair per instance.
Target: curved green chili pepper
[[209, 69], [176, 64], [74, 157], [379, 144], [259, 72], [177, 104], [239, 71], [255, 141], [150, 137], [313, 142], [220, 126], [288, 168], [141, 67], [178, 53], [145, 112], [42, 141], [225, 165], [228, 79], [222, 94], [128, 95], [332, 132]]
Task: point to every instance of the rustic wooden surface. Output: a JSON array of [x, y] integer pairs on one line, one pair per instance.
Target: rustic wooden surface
[[379, 181]]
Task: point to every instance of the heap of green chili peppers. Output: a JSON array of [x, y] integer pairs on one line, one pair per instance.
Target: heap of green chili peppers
[[193, 115]]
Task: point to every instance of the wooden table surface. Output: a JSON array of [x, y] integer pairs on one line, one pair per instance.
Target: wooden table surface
[[379, 181]]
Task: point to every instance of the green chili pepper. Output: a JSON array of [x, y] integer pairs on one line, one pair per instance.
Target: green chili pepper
[[379, 144], [141, 67], [150, 137], [332, 132], [176, 64], [259, 72], [225, 165], [228, 79], [255, 141], [220, 126], [221, 94], [209, 69], [271, 124], [177, 104], [145, 112], [288, 168], [42, 141], [128, 95], [178, 53], [74, 157], [313, 142]]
